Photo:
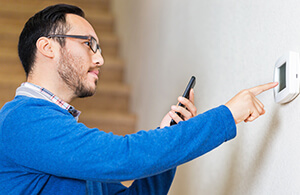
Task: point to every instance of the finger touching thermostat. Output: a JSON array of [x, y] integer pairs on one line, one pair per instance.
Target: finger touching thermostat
[[286, 73]]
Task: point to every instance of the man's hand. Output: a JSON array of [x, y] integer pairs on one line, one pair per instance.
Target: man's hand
[[187, 113], [245, 106]]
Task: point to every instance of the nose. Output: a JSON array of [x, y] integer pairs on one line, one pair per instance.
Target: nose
[[98, 59]]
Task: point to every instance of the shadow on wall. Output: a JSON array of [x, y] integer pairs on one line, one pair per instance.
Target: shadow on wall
[[234, 177]]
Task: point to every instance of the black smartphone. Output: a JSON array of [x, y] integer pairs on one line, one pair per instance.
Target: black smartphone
[[186, 94]]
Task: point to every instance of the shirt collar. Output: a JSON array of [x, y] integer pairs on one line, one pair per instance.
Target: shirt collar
[[35, 91]]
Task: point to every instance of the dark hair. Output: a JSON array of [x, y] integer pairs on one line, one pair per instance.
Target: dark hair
[[51, 20]]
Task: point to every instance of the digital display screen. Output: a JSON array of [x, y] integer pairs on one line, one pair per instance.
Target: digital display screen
[[282, 77]]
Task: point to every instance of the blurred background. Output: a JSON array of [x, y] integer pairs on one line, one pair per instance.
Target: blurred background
[[108, 109], [151, 49]]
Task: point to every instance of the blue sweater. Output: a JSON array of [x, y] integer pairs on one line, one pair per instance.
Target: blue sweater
[[43, 149]]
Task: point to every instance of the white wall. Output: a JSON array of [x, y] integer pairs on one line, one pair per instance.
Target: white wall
[[228, 45]]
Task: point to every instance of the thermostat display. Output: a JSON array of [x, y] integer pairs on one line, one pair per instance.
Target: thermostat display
[[282, 77], [286, 73]]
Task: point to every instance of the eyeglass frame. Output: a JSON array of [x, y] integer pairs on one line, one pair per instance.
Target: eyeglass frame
[[89, 38]]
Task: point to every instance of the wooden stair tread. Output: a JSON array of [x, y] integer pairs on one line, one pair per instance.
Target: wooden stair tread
[[9, 41], [36, 5], [14, 15], [19, 18], [12, 37], [108, 97], [118, 123], [116, 88], [110, 116], [112, 71], [8, 57]]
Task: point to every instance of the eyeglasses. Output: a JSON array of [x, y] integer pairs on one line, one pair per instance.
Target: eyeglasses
[[92, 41]]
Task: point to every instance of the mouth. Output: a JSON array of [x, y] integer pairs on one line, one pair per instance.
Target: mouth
[[94, 72]]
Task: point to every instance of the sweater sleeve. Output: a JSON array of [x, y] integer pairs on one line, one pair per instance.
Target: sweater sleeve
[[49, 140], [157, 184]]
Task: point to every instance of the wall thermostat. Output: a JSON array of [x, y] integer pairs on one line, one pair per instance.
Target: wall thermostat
[[286, 73]]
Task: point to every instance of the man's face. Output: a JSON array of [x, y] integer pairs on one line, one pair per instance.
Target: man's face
[[78, 65]]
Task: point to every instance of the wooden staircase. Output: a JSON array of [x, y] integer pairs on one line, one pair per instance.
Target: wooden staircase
[[108, 109]]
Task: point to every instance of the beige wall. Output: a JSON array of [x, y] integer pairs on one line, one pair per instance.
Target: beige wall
[[228, 45]]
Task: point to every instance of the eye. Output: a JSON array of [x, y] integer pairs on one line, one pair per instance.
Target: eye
[[87, 43]]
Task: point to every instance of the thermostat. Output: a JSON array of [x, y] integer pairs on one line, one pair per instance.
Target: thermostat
[[286, 73]]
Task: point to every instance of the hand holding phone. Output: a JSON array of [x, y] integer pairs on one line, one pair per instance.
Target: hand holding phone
[[186, 94]]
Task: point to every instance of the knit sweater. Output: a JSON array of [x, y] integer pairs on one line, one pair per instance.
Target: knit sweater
[[44, 150]]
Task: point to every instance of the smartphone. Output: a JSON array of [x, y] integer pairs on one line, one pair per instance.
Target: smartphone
[[186, 94]]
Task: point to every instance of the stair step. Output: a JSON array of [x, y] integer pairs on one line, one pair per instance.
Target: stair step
[[34, 6], [112, 97], [118, 123], [9, 42], [109, 97], [7, 91], [15, 21], [111, 72]]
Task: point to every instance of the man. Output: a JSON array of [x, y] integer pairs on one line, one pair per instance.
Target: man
[[44, 150]]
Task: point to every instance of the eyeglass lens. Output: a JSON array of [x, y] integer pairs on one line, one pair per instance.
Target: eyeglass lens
[[94, 45]]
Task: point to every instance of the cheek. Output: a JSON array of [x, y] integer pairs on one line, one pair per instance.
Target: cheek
[[78, 59], [81, 62], [77, 62]]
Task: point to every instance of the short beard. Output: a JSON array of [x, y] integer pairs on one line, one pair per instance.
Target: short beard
[[69, 69]]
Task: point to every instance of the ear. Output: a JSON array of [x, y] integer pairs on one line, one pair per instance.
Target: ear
[[44, 46]]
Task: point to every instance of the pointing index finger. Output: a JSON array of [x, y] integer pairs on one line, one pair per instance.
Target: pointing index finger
[[261, 88]]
